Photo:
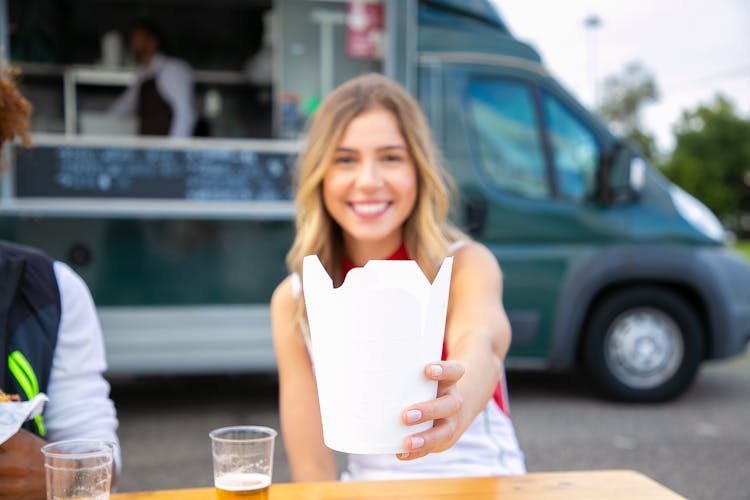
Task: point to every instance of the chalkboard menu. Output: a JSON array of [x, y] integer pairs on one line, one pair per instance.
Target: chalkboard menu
[[83, 171]]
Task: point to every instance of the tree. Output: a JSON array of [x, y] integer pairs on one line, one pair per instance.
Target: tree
[[711, 159], [624, 96]]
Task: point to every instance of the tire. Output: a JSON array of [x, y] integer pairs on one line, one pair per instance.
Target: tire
[[643, 344]]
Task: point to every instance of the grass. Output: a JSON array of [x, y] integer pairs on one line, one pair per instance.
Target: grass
[[743, 247]]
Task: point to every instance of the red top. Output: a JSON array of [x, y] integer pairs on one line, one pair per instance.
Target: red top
[[501, 394]]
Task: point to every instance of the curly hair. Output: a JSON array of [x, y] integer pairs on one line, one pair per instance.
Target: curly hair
[[15, 110]]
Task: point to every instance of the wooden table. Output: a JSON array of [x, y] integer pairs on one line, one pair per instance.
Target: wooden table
[[579, 485]]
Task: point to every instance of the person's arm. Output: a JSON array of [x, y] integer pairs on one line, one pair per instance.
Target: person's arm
[[124, 105], [309, 459], [477, 337], [175, 83], [79, 406], [22, 467]]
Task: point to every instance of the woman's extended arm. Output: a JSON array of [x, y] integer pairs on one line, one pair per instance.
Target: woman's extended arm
[[309, 458], [477, 337]]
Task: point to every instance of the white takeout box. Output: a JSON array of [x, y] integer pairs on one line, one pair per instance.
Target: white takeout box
[[371, 340]]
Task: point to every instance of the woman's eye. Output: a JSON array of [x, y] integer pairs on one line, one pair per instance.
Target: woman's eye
[[392, 158], [343, 160]]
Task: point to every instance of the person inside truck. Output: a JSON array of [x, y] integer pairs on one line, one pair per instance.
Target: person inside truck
[[162, 96], [50, 342], [372, 187]]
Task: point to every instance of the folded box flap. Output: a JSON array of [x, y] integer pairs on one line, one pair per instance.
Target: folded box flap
[[396, 286], [437, 306], [316, 286], [404, 274], [314, 274]]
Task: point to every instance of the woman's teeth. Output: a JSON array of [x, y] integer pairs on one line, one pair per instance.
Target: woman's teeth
[[369, 208]]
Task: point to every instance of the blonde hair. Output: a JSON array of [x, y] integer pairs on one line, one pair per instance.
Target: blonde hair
[[427, 232]]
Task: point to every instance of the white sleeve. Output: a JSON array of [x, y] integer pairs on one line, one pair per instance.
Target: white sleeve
[[175, 84], [124, 105], [79, 406]]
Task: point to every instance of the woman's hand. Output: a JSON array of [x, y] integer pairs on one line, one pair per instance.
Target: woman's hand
[[445, 410]]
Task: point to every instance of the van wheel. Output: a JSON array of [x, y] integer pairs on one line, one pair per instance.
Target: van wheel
[[643, 344]]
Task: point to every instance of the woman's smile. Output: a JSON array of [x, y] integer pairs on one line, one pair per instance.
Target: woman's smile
[[369, 209]]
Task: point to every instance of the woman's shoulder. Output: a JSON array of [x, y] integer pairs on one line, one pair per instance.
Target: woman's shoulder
[[284, 322], [470, 249], [285, 295], [470, 257]]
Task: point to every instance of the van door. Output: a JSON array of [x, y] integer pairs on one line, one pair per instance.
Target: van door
[[526, 165]]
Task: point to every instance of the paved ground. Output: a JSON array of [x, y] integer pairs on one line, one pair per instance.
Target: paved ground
[[698, 445]]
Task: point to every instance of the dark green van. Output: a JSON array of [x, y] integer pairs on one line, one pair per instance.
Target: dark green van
[[607, 264]]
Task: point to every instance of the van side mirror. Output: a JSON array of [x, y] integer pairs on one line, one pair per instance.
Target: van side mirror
[[625, 175], [637, 175]]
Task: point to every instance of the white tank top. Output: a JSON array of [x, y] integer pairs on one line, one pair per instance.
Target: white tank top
[[488, 447]]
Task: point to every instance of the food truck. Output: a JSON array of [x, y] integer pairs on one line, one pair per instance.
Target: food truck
[[607, 265]]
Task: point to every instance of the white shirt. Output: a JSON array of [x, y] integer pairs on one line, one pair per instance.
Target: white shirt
[[487, 448], [174, 81], [79, 406]]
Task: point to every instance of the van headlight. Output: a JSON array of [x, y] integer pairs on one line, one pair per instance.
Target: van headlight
[[696, 213]]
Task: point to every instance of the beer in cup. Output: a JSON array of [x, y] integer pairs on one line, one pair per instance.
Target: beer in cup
[[243, 461]]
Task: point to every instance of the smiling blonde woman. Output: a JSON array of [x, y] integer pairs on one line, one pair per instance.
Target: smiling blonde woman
[[428, 232], [371, 187]]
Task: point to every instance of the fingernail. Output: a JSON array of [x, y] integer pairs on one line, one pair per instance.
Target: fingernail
[[417, 442], [404, 455], [413, 416], [436, 370]]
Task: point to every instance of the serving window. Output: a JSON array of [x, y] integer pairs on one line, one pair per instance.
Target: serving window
[[260, 67]]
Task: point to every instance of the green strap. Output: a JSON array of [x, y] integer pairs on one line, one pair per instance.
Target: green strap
[[23, 372]]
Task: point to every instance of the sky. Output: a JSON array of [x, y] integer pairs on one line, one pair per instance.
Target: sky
[[694, 48]]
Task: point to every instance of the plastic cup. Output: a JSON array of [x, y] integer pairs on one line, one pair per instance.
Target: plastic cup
[[78, 469], [243, 461]]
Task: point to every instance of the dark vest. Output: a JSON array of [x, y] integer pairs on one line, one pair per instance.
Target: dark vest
[[29, 321], [154, 112]]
